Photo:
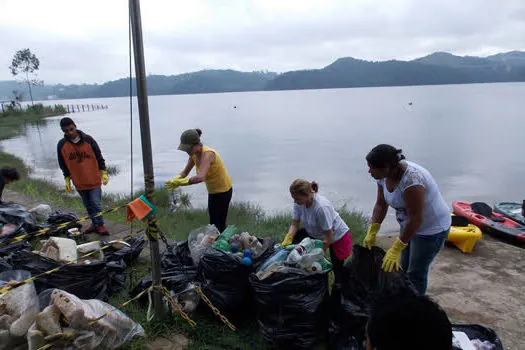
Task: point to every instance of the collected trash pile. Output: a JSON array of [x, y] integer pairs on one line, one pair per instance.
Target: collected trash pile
[[65, 305], [285, 289], [234, 274], [65, 321]]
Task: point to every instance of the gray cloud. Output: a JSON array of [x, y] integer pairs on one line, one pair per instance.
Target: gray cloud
[[87, 42]]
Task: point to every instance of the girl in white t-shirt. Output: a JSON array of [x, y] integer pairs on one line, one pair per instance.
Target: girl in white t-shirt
[[321, 221], [421, 212]]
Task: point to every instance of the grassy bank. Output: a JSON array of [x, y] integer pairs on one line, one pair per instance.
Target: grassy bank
[[13, 120], [210, 333]]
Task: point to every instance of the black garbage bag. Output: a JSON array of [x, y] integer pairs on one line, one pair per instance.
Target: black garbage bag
[[175, 279], [224, 280], [5, 265], [363, 280], [116, 276], [16, 214], [9, 248], [85, 281], [58, 218], [291, 308], [128, 254], [475, 331], [177, 254]]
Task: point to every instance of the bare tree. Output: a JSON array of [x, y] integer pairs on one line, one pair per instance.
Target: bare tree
[[26, 63]]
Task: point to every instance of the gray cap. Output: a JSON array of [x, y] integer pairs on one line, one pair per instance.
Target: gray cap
[[188, 139]]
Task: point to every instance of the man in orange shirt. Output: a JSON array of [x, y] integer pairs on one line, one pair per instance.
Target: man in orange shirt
[[81, 161]]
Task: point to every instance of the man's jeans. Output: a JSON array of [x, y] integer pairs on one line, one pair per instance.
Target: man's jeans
[[91, 200], [417, 257]]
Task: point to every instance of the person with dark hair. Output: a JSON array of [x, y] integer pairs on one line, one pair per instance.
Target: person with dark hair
[[7, 176], [211, 170], [81, 162], [421, 212], [406, 321], [321, 221]]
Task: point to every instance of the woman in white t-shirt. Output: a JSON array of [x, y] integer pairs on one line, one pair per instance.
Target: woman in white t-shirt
[[320, 221], [423, 215]]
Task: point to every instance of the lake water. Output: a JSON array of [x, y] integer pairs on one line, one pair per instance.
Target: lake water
[[470, 137]]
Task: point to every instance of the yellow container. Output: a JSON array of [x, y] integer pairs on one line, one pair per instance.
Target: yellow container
[[464, 237]]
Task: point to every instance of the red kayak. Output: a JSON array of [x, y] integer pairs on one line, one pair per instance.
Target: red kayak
[[482, 215]]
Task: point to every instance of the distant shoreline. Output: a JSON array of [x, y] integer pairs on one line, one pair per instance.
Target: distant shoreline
[[439, 68]]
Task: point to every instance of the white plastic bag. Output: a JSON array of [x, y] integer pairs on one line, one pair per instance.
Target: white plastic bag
[[201, 239], [18, 308], [110, 332], [41, 212]]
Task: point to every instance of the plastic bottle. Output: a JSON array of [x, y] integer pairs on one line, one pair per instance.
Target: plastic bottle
[[318, 243], [306, 245], [222, 241], [325, 264], [280, 256], [222, 245], [172, 200], [315, 267], [295, 255], [308, 259]]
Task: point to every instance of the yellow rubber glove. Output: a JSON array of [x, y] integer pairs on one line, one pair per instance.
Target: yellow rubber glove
[[170, 184], [391, 258], [181, 181], [370, 239], [69, 188], [288, 239], [104, 177]]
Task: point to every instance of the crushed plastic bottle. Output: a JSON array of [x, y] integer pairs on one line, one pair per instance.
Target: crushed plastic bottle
[[305, 246], [222, 241], [279, 257], [173, 201], [308, 259]]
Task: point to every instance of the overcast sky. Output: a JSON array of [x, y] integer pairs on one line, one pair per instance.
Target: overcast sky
[[87, 41]]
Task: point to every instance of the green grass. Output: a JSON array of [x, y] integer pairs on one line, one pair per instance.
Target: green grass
[[210, 333]]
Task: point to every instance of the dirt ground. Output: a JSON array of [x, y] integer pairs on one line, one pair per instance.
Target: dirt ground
[[485, 287]]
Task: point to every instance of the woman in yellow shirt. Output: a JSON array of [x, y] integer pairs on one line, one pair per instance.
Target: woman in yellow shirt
[[211, 170]]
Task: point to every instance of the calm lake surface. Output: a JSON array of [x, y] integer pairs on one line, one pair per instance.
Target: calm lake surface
[[470, 137]]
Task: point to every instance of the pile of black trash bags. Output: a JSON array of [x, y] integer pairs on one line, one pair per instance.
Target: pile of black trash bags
[[98, 280], [223, 278], [292, 310]]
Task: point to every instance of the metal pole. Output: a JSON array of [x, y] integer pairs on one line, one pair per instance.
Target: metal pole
[[147, 159]]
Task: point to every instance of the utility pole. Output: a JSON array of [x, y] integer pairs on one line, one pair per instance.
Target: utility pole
[[147, 157]]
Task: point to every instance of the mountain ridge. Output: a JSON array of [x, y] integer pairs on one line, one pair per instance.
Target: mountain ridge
[[345, 72]]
